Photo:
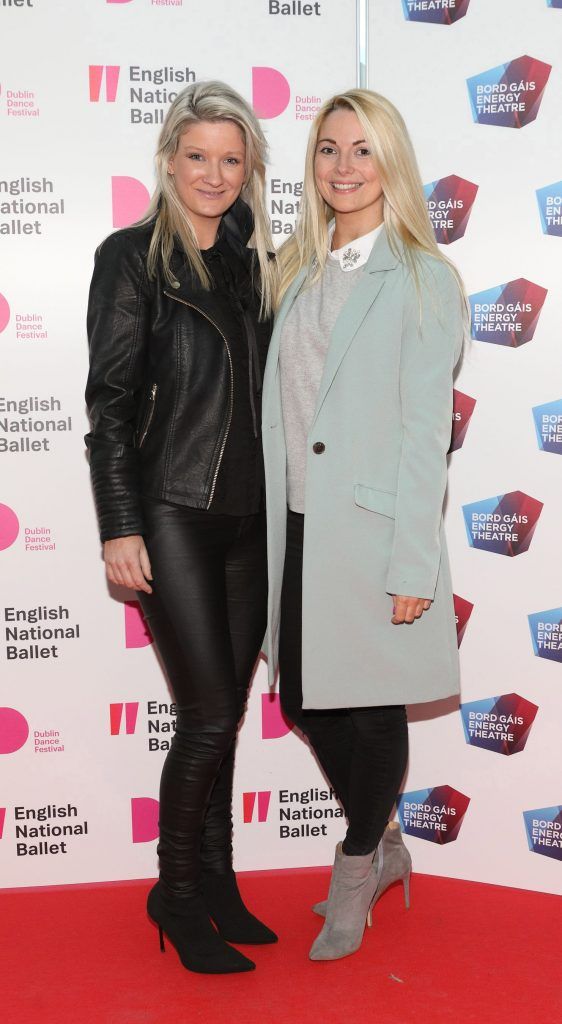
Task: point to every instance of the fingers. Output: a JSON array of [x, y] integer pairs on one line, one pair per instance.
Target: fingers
[[126, 560], [408, 609]]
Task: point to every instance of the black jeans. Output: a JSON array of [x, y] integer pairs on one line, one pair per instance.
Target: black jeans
[[363, 751], [207, 614]]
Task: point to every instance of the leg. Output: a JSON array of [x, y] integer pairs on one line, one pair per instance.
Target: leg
[[246, 593], [187, 614], [246, 586], [380, 754], [330, 732]]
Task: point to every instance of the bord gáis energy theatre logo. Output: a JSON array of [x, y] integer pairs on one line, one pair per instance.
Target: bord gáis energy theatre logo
[[509, 95], [504, 524], [501, 724]]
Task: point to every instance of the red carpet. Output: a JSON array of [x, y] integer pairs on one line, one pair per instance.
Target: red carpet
[[464, 953]]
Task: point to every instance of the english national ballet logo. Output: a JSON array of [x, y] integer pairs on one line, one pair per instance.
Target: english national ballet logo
[[501, 724], [123, 724], [463, 611], [433, 814], [144, 819], [544, 831], [504, 524], [255, 806], [546, 633], [271, 92], [437, 12], [274, 723], [509, 95], [463, 407], [137, 633], [14, 730], [449, 203], [103, 82], [4, 313], [9, 527], [507, 314], [549, 199], [548, 425]]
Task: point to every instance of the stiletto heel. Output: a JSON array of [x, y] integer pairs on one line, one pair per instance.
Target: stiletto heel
[[406, 881], [161, 935], [369, 918]]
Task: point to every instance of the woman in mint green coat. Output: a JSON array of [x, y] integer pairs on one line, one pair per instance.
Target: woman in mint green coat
[[357, 407]]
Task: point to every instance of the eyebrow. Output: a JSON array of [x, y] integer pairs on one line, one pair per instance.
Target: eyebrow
[[333, 141], [230, 152]]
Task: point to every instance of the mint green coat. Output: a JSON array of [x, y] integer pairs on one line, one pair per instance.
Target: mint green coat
[[374, 496]]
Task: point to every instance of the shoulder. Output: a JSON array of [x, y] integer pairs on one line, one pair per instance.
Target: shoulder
[[132, 242]]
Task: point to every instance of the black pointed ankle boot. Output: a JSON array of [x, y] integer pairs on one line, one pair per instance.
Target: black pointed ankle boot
[[186, 923], [224, 904]]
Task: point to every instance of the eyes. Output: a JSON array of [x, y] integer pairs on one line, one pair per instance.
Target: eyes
[[231, 161], [326, 150]]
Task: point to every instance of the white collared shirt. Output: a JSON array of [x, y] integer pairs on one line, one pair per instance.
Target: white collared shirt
[[355, 254]]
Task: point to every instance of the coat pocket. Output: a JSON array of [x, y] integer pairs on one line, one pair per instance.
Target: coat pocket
[[383, 502]]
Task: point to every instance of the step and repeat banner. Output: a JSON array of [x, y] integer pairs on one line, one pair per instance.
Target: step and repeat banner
[[479, 83], [86, 717]]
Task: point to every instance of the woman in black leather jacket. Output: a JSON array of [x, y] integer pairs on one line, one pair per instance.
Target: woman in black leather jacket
[[178, 326]]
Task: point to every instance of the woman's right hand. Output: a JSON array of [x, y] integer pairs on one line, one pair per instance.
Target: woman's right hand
[[127, 563]]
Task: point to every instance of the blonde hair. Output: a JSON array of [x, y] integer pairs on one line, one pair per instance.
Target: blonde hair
[[208, 101], [405, 212]]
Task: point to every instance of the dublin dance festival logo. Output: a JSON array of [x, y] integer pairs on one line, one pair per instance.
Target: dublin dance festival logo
[[449, 203], [14, 730], [507, 314], [438, 12], [433, 814], [501, 724], [509, 95], [504, 524]]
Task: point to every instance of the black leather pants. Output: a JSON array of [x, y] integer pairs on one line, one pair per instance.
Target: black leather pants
[[363, 751], [207, 615]]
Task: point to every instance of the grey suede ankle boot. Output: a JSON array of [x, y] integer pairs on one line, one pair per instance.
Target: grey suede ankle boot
[[352, 888], [397, 866]]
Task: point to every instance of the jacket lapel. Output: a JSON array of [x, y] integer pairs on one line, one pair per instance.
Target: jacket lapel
[[272, 366], [354, 311]]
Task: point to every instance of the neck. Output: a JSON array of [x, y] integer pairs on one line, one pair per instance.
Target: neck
[[206, 229], [350, 226]]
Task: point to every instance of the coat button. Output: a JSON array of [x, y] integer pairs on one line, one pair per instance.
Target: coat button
[[318, 447]]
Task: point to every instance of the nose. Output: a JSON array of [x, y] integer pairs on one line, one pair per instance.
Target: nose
[[213, 173], [344, 163]]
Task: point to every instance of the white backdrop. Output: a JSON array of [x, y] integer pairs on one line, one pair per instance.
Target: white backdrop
[[86, 715]]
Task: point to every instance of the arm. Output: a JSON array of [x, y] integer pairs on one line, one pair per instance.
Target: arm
[[118, 331], [430, 350]]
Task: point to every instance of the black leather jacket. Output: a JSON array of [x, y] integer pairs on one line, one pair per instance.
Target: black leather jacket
[[161, 388]]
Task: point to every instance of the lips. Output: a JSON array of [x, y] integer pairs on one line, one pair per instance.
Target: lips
[[210, 195], [343, 188]]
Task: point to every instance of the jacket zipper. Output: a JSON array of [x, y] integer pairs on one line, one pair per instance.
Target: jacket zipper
[[150, 414], [190, 305]]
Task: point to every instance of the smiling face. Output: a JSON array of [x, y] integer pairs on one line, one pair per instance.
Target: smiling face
[[209, 170], [345, 172]]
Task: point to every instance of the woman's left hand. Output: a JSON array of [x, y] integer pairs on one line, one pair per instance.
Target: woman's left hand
[[406, 609]]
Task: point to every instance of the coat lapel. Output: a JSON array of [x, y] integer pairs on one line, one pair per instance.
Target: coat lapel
[[272, 366], [351, 316]]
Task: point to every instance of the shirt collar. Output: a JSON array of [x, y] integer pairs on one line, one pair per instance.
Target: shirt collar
[[355, 254]]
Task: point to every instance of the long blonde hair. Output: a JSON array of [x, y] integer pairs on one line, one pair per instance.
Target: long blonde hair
[[208, 101], [405, 212]]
